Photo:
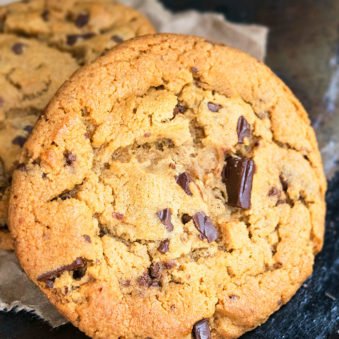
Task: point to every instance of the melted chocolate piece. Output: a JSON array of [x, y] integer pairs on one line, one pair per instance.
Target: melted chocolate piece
[[21, 167], [81, 20], [201, 330], [4, 228], [155, 271], [71, 39], [70, 158], [19, 141], [243, 129], [18, 48], [183, 180], [179, 109], [45, 15], [165, 218], [118, 39], [194, 70], [237, 175], [205, 226], [87, 238], [213, 107], [164, 246], [186, 218], [78, 267], [28, 128]]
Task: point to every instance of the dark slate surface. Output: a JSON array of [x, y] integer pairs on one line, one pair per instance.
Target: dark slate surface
[[304, 35]]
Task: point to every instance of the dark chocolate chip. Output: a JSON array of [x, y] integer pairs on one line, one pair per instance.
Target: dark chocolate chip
[[118, 39], [45, 15], [155, 271], [243, 129], [183, 180], [118, 215], [70, 158], [164, 246], [273, 191], [78, 267], [87, 36], [213, 107], [194, 70], [4, 228], [237, 175], [205, 226], [28, 128], [87, 238], [81, 20], [71, 39], [21, 167], [18, 48], [19, 140], [201, 330], [179, 109], [186, 218], [165, 218], [2, 101], [144, 280]]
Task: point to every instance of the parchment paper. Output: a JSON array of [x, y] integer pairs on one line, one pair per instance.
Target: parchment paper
[[16, 291]]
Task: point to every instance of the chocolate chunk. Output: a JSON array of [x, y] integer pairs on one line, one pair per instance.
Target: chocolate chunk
[[18, 48], [78, 267], [45, 15], [155, 271], [21, 167], [28, 128], [186, 218], [237, 175], [179, 109], [183, 180], [71, 39], [70, 158], [201, 330], [243, 129], [213, 107], [205, 226], [19, 140], [81, 20], [118, 215], [118, 39], [168, 264], [194, 70], [87, 36], [164, 246], [273, 191], [2, 101], [4, 228], [165, 218], [87, 238], [144, 280]]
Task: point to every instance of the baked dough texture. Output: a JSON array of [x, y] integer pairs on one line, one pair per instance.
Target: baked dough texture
[[41, 44], [173, 185]]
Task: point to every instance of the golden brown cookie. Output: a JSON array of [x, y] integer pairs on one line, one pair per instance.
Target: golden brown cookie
[[85, 28], [174, 186], [30, 73]]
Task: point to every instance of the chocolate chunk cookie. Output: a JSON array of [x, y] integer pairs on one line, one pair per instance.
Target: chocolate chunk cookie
[[85, 28], [30, 72], [166, 193]]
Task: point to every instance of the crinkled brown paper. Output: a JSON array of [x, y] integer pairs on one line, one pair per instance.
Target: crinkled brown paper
[[17, 292]]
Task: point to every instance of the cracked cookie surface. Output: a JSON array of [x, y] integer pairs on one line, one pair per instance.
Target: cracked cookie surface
[[85, 28], [178, 200], [30, 72]]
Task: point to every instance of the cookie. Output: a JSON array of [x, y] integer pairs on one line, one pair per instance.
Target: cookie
[[30, 73], [84, 28], [173, 187]]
